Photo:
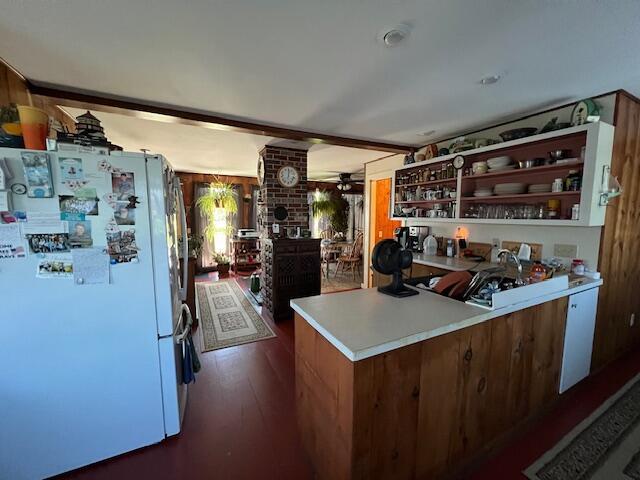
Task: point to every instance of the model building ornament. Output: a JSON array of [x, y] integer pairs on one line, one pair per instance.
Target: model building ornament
[[89, 133]]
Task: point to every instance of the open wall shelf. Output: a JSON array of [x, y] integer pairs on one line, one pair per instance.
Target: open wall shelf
[[589, 146]]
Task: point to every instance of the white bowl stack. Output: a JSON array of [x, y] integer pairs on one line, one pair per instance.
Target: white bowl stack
[[499, 164], [510, 188], [478, 168], [483, 192], [540, 188]]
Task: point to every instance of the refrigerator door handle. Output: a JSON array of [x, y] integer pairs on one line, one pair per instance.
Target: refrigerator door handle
[[185, 241], [187, 328]]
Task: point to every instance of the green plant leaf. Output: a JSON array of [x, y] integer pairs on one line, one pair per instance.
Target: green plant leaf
[[219, 196], [333, 207]]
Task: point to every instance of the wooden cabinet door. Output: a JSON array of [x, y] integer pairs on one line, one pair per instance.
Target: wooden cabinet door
[[419, 270], [381, 225]]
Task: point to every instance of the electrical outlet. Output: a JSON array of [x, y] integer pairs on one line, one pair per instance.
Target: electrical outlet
[[565, 250], [495, 243], [632, 320]]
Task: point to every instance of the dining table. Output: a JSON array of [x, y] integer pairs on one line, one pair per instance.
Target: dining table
[[330, 250]]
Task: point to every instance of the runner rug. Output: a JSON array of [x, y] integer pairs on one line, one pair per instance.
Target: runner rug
[[604, 446], [227, 317]]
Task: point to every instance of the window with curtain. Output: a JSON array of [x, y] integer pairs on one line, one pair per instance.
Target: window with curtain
[[355, 220], [316, 225], [221, 239], [356, 213]]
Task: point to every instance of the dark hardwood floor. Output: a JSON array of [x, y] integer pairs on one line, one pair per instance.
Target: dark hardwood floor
[[240, 421]]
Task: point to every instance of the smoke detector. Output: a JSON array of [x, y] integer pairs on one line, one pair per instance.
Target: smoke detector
[[490, 79], [428, 133], [394, 36]]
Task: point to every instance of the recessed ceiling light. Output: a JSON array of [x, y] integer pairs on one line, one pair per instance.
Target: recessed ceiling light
[[490, 80], [427, 133], [396, 35]]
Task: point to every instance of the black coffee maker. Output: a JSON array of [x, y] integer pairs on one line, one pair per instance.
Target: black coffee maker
[[414, 240], [401, 235]]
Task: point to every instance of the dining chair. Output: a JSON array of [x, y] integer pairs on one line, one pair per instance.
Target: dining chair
[[327, 234], [351, 258]]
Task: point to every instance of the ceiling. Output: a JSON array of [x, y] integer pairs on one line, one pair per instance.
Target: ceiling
[[203, 150], [318, 65]]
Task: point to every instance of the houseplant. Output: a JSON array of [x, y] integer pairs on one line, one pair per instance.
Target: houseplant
[[334, 207], [223, 264], [218, 205]]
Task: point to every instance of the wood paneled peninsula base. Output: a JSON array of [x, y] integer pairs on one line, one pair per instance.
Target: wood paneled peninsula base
[[433, 397]]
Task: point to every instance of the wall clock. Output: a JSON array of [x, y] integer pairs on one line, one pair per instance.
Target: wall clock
[[288, 176], [19, 188], [261, 171]]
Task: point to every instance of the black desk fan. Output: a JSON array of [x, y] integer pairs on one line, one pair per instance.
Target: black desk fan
[[389, 258]]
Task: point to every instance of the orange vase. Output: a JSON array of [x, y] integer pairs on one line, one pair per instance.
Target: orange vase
[[35, 126]]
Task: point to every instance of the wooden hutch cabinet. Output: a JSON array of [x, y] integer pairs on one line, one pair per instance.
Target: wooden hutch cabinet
[[291, 269]]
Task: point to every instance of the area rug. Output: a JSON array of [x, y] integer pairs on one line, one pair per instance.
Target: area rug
[[604, 446], [227, 317], [342, 282]]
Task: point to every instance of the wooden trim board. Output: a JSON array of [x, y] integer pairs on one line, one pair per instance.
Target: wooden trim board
[[174, 114]]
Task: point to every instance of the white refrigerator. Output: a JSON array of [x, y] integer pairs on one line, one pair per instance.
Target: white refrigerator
[[89, 371]]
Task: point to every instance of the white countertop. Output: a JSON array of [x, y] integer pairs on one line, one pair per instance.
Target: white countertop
[[449, 263], [364, 323]]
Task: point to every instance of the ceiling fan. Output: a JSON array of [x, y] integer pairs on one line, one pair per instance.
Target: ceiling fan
[[345, 180]]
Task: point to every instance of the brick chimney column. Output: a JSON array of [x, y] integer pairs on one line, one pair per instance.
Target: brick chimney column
[[273, 195]]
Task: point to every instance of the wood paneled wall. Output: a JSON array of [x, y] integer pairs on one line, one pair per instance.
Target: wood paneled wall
[[13, 89], [620, 245]]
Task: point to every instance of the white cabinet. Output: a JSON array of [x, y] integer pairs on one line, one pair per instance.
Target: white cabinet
[[578, 338]]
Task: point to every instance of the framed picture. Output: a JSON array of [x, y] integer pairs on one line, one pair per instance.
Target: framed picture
[[70, 169], [80, 234], [37, 172], [123, 185], [85, 201], [48, 242]]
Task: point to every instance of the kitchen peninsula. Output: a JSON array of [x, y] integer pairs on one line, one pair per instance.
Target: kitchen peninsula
[[417, 387]]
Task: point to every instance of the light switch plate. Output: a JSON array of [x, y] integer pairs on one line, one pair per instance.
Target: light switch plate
[[565, 250]]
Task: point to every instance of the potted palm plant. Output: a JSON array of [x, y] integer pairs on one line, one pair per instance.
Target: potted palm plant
[[219, 205], [335, 208]]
